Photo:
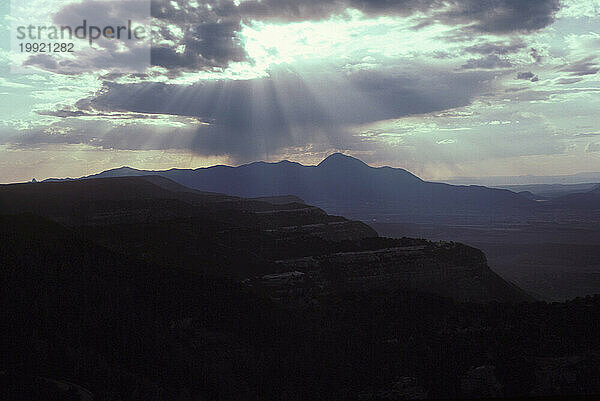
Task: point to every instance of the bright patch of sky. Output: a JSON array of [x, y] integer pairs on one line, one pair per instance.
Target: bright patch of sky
[[341, 39]]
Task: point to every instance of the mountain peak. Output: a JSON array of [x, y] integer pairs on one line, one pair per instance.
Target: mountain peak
[[341, 160], [124, 168]]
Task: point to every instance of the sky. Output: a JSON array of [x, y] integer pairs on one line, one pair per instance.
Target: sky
[[443, 88]]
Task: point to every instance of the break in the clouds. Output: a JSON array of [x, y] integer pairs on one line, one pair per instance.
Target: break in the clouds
[[441, 87], [193, 36]]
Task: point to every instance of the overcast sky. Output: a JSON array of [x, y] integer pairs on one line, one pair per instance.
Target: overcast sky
[[441, 88]]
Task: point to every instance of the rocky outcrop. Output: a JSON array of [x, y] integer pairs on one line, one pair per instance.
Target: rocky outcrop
[[447, 269]]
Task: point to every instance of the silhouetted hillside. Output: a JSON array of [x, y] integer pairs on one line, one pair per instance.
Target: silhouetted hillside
[[77, 318], [158, 220], [342, 184]]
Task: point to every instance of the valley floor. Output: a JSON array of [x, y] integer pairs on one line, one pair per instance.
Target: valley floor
[[553, 261]]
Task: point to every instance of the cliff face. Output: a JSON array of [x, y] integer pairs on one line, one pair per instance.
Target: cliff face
[[153, 199], [160, 221], [447, 269]]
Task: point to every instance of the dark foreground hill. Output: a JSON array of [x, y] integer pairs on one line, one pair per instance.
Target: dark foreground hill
[[79, 319], [158, 220], [345, 185]]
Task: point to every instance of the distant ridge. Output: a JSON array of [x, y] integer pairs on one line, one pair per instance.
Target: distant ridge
[[549, 191], [345, 185], [503, 181], [589, 200]]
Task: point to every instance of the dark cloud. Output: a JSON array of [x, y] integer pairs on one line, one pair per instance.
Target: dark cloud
[[525, 75], [502, 16], [302, 10], [382, 94], [209, 35], [70, 113], [488, 63], [207, 45], [251, 119], [586, 66], [528, 76], [568, 81], [43, 61], [498, 16]]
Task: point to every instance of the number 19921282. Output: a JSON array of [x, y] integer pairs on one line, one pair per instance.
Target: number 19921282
[[46, 47]]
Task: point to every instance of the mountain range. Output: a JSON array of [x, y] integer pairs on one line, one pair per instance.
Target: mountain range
[[345, 185]]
